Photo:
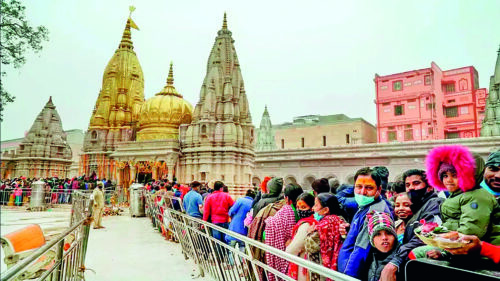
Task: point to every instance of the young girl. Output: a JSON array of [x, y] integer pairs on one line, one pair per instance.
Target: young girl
[[469, 208], [305, 203], [403, 212]]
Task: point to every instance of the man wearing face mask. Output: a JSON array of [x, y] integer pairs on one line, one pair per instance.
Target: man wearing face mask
[[356, 248], [425, 205]]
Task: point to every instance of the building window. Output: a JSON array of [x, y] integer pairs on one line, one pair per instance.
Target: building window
[[409, 134], [427, 80], [449, 87], [302, 142], [324, 140], [451, 111], [386, 104], [347, 139], [430, 131], [391, 136], [398, 110], [397, 85], [453, 135], [431, 106], [464, 110], [282, 143]]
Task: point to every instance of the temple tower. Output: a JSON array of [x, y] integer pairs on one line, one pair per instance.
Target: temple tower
[[44, 151], [265, 136], [219, 142], [116, 112], [491, 122]]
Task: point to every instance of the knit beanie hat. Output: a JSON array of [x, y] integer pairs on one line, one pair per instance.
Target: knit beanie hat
[[445, 167], [493, 159], [378, 221]]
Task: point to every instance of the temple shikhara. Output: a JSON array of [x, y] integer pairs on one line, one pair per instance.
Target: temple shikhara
[[44, 151], [130, 139]]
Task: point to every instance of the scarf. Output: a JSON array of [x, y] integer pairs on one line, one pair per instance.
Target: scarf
[[330, 240], [293, 269], [279, 230]]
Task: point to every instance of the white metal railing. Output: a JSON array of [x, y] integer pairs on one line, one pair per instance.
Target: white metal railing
[[218, 259], [62, 258]]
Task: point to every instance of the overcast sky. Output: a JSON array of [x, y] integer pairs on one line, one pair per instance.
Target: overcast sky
[[298, 57]]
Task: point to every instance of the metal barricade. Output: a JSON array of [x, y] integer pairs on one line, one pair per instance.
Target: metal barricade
[[218, 259], [62, 258]]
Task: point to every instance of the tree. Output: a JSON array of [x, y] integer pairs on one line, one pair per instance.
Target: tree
[[16, 37]]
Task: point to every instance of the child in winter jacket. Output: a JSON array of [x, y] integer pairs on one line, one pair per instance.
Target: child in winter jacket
[[469, 209]]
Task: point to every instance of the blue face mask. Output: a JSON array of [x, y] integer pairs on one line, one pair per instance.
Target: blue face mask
[[317, 216], [363, 200]]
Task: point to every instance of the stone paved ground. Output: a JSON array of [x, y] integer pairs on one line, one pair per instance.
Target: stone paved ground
[[127, 249]]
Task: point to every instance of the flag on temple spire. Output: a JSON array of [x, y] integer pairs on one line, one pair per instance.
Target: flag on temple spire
[[132, 23]]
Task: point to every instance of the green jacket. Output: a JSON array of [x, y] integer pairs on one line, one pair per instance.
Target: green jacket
[[475, 212]]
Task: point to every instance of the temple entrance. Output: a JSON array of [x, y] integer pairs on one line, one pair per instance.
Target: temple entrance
[[144, 177]]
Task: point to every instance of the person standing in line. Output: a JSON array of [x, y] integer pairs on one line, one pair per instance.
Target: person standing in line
[[216, 210], [193, 202], [98, 205]]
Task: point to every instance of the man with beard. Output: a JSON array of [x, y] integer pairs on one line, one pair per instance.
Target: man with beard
[[492, 175], [425, 205]]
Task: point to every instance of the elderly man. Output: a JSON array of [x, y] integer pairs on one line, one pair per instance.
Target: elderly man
[[98, 205], [492, 175], [352, 259]]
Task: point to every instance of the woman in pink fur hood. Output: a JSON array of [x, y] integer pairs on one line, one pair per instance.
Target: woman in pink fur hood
[[469, 209]]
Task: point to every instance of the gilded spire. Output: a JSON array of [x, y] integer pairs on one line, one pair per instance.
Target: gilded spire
[[224, 23], [170, 79], [126, 42], [169, 89]]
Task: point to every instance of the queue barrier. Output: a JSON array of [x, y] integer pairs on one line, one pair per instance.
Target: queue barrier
[[62, 258], [220, 260]]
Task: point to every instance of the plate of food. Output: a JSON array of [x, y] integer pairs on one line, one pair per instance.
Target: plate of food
[[436, 235]]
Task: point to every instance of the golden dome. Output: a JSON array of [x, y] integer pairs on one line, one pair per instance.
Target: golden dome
[[162, 114]]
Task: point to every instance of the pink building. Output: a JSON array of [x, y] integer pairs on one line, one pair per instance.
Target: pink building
[[429, 104]]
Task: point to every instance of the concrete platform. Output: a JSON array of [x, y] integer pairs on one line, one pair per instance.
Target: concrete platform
[[127, 249], [130, 249]]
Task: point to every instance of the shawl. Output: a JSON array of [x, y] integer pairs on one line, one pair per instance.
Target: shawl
[[278, 231], [293, 269], [330, 240]]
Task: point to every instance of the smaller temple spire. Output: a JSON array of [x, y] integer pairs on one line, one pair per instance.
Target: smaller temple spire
[[169, 89], [50, 104], [170, 78], [224, 23]]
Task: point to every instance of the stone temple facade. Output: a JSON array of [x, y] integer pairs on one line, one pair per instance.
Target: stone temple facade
[[218, 144], [44, 151], [491, 121], [131, 139]]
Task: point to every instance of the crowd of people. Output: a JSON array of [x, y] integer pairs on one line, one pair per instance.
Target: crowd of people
[[58, 191], [365, 230]]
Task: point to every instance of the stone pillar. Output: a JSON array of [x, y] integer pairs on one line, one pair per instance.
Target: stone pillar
[[170, 169], [132, 173]]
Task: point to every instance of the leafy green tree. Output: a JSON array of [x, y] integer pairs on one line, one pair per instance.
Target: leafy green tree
[[16, 37]]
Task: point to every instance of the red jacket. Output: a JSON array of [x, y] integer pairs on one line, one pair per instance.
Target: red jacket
[[490, 251], [217, 207]]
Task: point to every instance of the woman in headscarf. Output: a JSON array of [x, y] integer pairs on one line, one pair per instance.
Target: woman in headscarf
[[326, 240], [279, 228], [305, 203]]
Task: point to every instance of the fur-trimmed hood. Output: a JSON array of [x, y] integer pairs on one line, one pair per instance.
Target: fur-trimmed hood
[[457, 155]]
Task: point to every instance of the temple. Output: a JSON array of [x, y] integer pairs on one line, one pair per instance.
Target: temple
[[265, 134], [131, 139], [219, 142], [491, 122], [44, 151]]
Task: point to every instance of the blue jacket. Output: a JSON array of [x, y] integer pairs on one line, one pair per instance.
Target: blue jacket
[[356, 248], [238, 212]]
